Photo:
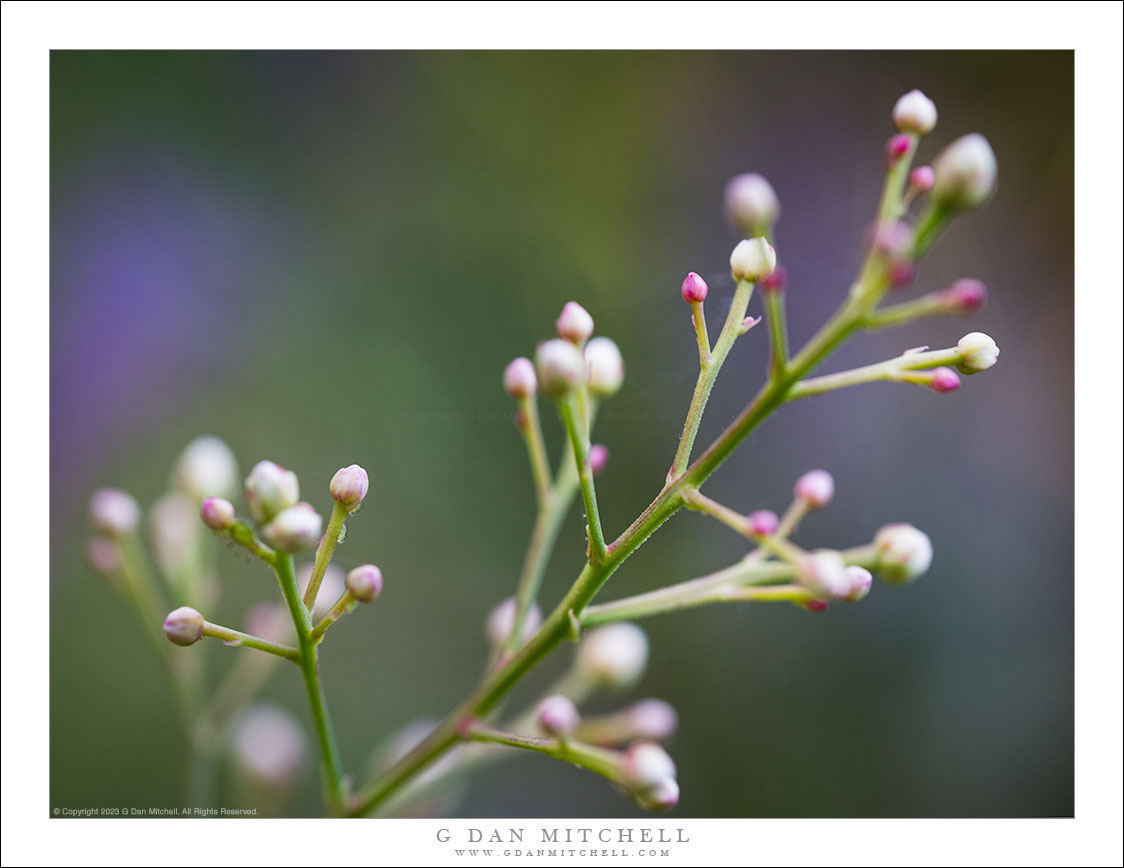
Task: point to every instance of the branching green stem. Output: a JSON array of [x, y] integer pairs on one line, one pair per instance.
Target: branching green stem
[[596, 759], [324, 553], [892, 369], [341, 607]]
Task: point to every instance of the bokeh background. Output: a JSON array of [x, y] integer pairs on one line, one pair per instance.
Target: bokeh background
[[328, 258]]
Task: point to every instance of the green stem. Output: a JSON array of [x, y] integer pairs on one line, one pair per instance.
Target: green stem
[[892, 369], [778, 331], [908, 311], [892, 205], [572, 418], [246, 640], [324, 553], [701, 334], [341, 607], [708, 373], [331, 766], [596, 759], [531, 429]]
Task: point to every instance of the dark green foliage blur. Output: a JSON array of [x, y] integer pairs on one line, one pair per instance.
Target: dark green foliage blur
[[327, 258]]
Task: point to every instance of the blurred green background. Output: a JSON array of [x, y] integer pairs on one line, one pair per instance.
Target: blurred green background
[[328, 258]]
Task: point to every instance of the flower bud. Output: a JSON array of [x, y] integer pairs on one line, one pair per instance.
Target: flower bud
[[860, 581], [174, 528], [270, 488], [557, 716], [753, 260], [217, 513], [915, 113], [365, 582], [519, 378], [294, 528], [114, 512], [613, 656], [653, 719], [902, 553], [816, 488], [501, 622], [777, 281], [184, 626], [964, 173], [331, 588], [897, 147], [978, 352], [824, 573], [943, 380], [751, 204], [763, 522], [560, 367], [646, 769], [574, 323], [662, 797], [694, 289], [921, 179], [206, 468], [598, 458], [605, 365], [102, 556], [349, 486], [965, 296], [268, 745]]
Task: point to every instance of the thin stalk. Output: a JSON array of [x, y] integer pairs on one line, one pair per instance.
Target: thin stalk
[[698, 317], [596, 759], [531, 429], [892, 369], [579, 442], [778, 331], [331, 766], [246, 640], [932, 304], [324, 552], [341, 607]]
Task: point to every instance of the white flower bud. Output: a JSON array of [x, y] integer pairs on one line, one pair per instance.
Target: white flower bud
[[662, 797], [365, 582], [653, 719], [753, 260], [519, 378], [560, 367], [501, 622], [294, 529], [964, 173], [217, 513], [102, 556], [174, 527], [860, 581], [645, 766], [816, 488], [605, 366], [184, 626], [903, 553], [613, 656], [349, 486], [751, 204], [915, 113], [271, 488], [268, 745], [824, 573], [114, 512], [978, 352], [557, 716], [574, 323], [206, 468]]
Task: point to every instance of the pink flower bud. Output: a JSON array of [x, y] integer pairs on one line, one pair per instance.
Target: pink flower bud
[[978, 352], [349, 486], [896, 148], [365, 582], [964, 173], [206, 468], [605, 367], [894, 238], [694, 289], [915, 113], [501, 622], [598, 458], [964, 296], [777, 281], [268, 745], [751, 204], [944, 380], [270, 488], [645, 766], [557, 716], [662, 797], [114, 512], [823, 572], [921, 179], [653, 719], [816, 488], [860, 581], [753, 260], [763, 522], [613, 656], [183, 626], [294, 529], [217, 513], [102, 556], [901, 274], [816, 605], [519, 378], [903, 553], [560, 367], [574, 323]]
